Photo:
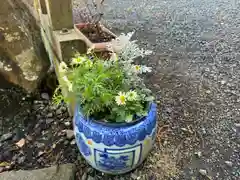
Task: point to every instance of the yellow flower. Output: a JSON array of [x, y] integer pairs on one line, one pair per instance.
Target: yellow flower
[[63, 67], [78, 60], [132, 95], [70, 87], [137, 68], [68, 83], [89, 63], [114, 57], [121, 98]]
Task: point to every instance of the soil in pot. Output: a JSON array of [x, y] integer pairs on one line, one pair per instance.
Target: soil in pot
[[95, 34], [103, 55]]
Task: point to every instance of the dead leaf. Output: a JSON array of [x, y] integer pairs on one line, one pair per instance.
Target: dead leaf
[[3, 164], [21, 143]]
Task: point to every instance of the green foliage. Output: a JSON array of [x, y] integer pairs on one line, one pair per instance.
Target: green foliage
[[108, 90], [97, 86]]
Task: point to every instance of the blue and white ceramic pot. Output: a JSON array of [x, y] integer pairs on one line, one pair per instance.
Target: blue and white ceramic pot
[[115, 148]]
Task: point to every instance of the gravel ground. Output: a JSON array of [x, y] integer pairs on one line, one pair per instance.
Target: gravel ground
[[196, 79]]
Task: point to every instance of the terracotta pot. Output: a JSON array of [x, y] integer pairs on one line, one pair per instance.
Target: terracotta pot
[[98, 47]]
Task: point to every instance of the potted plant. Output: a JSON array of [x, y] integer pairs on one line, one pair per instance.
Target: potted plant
[[115, 116], [87, 17]]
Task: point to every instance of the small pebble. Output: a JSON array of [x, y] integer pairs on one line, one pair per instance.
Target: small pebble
[[15, 157], [237, 125], [40, 153], [29, 138], [184, 129], [134, 176], [203, 172], [39, 145], [49, 115], [63, 109], [49, 120], [67, 123], [69, 134], [208, 91], [21, 160], [90, 178], [73, 142], [19, 134], [229, 163], [59, 112], [66, 142], [204, 131], [85, 176], [223, 82], [45, 96], [6, 137], [198, 154]]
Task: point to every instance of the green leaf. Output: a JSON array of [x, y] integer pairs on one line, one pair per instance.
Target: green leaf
[[149, 98], [129, 118]]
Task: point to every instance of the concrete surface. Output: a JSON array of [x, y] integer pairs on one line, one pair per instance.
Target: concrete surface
[[65, 172]]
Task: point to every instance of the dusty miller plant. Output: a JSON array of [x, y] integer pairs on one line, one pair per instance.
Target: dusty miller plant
[[127, 52]]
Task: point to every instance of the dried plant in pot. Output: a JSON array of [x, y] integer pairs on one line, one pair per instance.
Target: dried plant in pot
[[115, 116], [88, 23]]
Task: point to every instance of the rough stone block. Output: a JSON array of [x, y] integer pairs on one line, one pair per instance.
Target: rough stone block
[[23, 60], [64, 172]]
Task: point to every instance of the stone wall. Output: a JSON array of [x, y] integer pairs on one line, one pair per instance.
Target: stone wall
[[23, 60]]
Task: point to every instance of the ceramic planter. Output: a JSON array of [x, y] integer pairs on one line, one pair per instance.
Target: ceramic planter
[[115, 148]]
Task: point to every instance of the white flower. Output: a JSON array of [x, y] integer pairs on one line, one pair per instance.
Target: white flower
[[129, 118], [78, 60], [137, 69], [114, 57], [121, 98], [63, 67], [68, 83], [146, 69], [89, 51], [148, 52], [141, 69], [132, 95]]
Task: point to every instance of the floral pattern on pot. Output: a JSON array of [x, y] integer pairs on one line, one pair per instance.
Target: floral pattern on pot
[[115, 149], [83, 146]]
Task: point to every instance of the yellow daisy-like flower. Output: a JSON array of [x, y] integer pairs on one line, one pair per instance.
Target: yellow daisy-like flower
[[89, 63], [68, 83], [70, 87], [78, 60], [121, 98], [132, 95], [137, 68], [114, 57], [63, 67]]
